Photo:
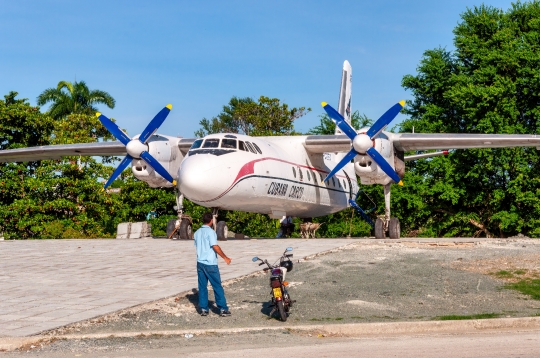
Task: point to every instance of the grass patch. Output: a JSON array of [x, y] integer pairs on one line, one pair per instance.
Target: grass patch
[[462, 317], [327, 319], [357, 317], [504, 274], [527, 287], [520, 272]]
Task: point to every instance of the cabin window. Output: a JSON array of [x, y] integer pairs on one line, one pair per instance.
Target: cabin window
[[320, 174], [196, 144], [308, 176], [344, 184], [228, 143], [241, 145], [257, 147], [294, 172], [211, 143], [333, 182], [250, 147], [301, 174]]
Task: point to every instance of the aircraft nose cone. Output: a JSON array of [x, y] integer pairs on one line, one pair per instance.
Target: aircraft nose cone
[[198, 178]]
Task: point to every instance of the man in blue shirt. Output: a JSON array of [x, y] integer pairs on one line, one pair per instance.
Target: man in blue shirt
[[207, 267]]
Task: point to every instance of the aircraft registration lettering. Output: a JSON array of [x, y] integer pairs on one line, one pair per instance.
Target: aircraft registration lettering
[[296, 192], [278, 189]]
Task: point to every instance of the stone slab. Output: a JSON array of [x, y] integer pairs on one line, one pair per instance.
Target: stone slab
[[49, 283]]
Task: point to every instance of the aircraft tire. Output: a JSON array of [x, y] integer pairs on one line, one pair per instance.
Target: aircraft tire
[[394, 228], [222, 231], [185, 230], [379, 229], [170, 228]]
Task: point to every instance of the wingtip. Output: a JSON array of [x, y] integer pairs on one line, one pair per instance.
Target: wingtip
[[400, 183], [174, 182], [402, 103], [98, 114], [324, 104], [169, 106]]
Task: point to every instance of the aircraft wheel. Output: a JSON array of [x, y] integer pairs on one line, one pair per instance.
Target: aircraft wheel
[[185, 230], [394, 228], [222, 231], [170, 228], [379, 229]]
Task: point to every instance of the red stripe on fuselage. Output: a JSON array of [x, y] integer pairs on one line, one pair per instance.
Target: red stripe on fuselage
[[249, 168]]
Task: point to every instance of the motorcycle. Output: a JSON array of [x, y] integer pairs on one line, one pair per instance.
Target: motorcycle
[[281, 301]]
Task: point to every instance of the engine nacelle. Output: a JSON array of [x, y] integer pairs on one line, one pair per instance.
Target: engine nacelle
[[369, 172], [165, 150]]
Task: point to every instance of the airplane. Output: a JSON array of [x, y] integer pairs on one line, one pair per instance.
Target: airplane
[[303, 176]]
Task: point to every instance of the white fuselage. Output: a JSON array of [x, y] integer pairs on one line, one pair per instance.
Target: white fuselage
[[281, 179]]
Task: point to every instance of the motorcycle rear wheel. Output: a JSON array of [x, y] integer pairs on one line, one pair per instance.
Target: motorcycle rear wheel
[[281, 310]]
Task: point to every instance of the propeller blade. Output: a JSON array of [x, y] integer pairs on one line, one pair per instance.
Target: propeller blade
[[123, 165], [157, 167], [385, 119], [340, 121], [113, 129], [341, 164], [381, 162], [155, 123]]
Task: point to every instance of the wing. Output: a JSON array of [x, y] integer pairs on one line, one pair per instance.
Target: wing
[[99, 149], [426, 141], [58, 151]]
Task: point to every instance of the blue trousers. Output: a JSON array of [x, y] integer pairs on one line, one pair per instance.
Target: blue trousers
[[210, 273]]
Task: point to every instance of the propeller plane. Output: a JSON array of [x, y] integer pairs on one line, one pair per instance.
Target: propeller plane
[[304, 176]]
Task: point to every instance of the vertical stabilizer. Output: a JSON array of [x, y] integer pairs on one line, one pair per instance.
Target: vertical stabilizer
[[344, 104]]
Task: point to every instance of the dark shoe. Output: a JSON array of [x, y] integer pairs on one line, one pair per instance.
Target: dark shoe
[[224, 313], [204, 313]]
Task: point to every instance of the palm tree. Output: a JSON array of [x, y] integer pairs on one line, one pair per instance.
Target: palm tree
[[68, 98]]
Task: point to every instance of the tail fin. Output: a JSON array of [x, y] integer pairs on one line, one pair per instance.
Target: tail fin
[[344, 104]]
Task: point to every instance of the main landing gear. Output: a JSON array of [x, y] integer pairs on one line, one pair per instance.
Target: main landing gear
[[182, 227], [382, 225]]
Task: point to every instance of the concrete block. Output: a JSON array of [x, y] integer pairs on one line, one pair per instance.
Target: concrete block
[[123, 230], [140, 229]]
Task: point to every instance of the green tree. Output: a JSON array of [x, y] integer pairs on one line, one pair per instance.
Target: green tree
[[266, 117], [73, 98], [489, 84], [328, 127], [51, 198]]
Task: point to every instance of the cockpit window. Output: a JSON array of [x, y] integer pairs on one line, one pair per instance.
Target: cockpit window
[[241, 145], [211, 143], [250, 147], [228, 143], [257, 147], [196, 144]]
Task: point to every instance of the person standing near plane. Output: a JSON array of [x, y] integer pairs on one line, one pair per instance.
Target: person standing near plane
[[286, 227], [207, 267]]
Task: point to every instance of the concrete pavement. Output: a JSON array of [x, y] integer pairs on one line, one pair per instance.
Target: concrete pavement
[[50, 283]]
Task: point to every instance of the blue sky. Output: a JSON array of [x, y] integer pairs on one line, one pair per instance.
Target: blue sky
[[197, 55]]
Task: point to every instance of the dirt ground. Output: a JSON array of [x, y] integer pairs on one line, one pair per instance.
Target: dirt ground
[[360, 283]]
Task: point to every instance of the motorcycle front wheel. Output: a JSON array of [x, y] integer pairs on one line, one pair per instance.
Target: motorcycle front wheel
[[281, 310]]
